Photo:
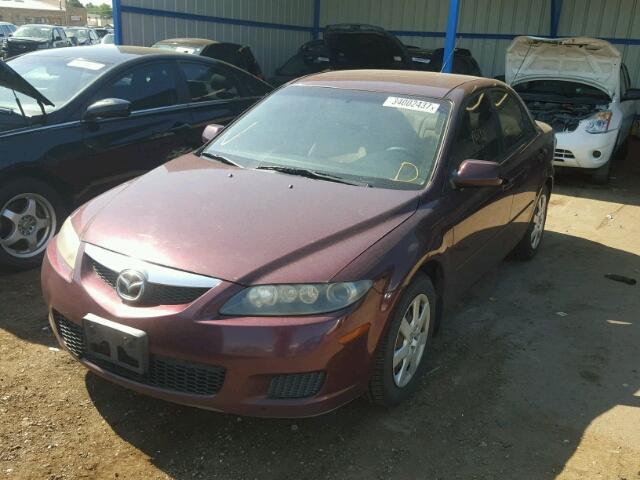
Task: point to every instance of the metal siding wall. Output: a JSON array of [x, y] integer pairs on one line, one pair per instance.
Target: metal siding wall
[[271, 46], [604, 18], [476, 16], [608, 19]]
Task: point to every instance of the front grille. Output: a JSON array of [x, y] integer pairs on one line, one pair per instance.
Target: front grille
[[71, 334], [297, 385], [155, 294], [560, 155], [164, 372]]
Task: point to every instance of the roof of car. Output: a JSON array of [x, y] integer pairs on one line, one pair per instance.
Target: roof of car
[[407, 82], [189, 41], [112, 54]]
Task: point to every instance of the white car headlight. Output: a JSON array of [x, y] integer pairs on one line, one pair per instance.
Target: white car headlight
[[68, 243], [297, 299], [599, 122]]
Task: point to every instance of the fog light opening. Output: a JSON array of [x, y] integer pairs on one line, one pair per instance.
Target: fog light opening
[[597, 154]]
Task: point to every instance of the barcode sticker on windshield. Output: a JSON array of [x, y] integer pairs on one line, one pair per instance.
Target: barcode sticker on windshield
[[86, 64], [411, 104]]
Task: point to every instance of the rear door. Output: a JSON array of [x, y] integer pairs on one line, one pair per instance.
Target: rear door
[[217, 94], [157, 130], [482, 212], [521, 167]]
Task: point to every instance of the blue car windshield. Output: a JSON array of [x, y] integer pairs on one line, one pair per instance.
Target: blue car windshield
[[382, 139], [57, 78]]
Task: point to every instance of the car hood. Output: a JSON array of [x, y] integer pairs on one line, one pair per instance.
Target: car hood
[[11, 79], [590, 61], [364, 46], [244, 226]]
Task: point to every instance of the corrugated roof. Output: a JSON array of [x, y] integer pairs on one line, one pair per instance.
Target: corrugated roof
[[29, 4]]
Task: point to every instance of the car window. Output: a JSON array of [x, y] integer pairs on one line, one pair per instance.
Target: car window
[[147, 86], [303, 64], [515, 125], [210, 82], [477, 137], [383, 140]]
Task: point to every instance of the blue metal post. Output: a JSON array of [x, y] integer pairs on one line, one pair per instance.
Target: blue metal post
[[450, 38], [556, 10], [316, 19], [117, 22]]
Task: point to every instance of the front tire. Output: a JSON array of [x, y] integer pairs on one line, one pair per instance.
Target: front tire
[[401, 355], [30, 215], [530, 243]]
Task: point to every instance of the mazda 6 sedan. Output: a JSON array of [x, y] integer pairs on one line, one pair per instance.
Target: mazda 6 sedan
[[305, 255]]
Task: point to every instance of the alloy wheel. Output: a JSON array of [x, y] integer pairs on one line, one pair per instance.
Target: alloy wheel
[[27, 223], [411, 340], [539, 218]]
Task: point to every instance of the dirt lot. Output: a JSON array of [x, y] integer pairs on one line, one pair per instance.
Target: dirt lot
[[536, 375]]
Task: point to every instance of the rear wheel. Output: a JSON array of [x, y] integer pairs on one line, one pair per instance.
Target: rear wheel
[[30, 214], [401, 356], [530, 243]]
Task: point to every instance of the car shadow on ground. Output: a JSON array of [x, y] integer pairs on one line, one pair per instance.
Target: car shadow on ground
[[524, 364], [22, 311], [623, 185]]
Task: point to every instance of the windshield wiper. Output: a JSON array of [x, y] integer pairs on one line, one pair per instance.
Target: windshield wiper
[[303, 172], [219, 158]]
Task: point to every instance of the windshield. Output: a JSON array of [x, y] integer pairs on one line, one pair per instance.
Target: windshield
[[561, 88], [57, 78], [33, 31], [384, 140], [179, 48], [81, 34]]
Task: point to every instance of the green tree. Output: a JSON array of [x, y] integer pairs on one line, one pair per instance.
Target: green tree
[[74, 3]]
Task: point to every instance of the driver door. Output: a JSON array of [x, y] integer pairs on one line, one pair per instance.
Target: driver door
[[480, 214]]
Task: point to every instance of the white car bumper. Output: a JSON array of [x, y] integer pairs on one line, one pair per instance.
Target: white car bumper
[[579, 149]]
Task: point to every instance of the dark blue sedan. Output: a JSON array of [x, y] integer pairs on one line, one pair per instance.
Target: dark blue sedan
[[76, 121]]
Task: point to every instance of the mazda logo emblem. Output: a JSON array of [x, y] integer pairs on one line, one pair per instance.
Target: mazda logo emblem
[[130, 285]]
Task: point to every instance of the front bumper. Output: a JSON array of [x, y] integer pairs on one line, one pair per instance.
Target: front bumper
[[252, 353], [576, 149]]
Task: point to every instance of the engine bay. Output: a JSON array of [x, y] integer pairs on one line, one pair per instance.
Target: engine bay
[[563, 117]]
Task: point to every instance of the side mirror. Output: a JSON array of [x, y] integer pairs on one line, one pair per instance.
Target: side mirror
[[210, 132], [108, 108], [477, 173], [632, 94]]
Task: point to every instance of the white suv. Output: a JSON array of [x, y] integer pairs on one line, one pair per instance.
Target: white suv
[[581, 88]]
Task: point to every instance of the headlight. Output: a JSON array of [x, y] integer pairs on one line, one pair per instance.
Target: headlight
[[68, 243], [598, 123], [299, 299]]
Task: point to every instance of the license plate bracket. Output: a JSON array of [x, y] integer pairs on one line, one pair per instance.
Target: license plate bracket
[[118, 344]]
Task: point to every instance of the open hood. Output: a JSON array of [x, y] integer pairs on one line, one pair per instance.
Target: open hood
[[590, 61], [9, 78], [352, 46]]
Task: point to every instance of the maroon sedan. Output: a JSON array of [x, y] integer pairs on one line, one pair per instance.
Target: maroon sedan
[[306, 254]]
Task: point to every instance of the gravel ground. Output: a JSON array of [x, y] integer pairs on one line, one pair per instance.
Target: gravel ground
[[535, 375]]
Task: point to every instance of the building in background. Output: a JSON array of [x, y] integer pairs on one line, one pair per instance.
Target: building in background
[[52, 12], [95, 20]]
